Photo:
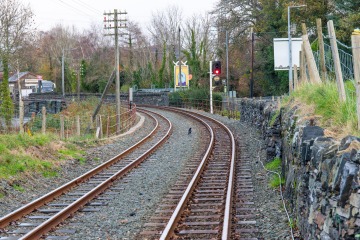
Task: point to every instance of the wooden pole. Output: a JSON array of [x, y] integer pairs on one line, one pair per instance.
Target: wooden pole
[[303, 64], [296, 83], [321, 49], [78, 126], [107, 126], [62, 127], [43, 127], [100, 125], [336, 59], [314, 73], [355, 43]]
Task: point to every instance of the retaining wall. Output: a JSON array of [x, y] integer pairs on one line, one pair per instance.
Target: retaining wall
[[322, 174]]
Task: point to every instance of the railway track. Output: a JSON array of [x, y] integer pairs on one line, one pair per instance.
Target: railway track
[[213, 198], [42, 215], [200, 204]]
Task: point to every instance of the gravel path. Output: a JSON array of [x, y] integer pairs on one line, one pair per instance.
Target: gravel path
[[125, 214]]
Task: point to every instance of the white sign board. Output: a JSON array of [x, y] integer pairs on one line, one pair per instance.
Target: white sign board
[[281, 52]]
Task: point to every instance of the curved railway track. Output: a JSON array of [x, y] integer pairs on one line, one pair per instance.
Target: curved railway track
[[35, 219], [201, 205]]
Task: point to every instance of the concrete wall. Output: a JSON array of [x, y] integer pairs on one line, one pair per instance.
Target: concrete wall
[[322, 174]]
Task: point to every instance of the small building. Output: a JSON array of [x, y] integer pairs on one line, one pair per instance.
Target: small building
[[29, 83]]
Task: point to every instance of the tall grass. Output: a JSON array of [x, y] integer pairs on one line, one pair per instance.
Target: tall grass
[[325, 99]]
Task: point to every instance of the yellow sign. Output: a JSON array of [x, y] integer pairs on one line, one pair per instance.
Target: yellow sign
[[184, 76]]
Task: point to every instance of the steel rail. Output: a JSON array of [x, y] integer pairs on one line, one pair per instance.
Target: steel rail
[[226, 231], [170, 226], [30, 207], [75, 206]]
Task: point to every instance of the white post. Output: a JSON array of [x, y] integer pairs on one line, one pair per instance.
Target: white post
[[211, 98]]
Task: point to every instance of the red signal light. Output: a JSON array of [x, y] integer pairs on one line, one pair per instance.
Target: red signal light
[[216, 67]]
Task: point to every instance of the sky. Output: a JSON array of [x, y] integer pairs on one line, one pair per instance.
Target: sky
[[83, 13]]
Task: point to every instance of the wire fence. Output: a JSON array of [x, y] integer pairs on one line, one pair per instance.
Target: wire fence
[[71, 126], [346, 59]]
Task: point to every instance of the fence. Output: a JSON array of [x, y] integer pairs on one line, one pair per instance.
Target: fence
[[346, 59], [74, 126]]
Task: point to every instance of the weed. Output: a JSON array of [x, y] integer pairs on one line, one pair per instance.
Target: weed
[[274, 165], [2, 195], [276, 181], [274, 117], [50, 174], [18, 188], [292, 223]]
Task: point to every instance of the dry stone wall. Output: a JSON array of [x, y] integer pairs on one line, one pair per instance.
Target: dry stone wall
[[322, 174]]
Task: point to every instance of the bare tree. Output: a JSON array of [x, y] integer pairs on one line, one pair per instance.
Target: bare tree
[[15, 25]]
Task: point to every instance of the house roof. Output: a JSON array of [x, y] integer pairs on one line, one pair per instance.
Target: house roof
[[21, 75]]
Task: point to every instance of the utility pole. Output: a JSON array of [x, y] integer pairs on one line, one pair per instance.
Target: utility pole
[[227, 65], [117, 24], [63, 72], [252, 65], [21, 103]]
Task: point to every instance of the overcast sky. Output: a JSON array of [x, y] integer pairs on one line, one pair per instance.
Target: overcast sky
[[82, 13]]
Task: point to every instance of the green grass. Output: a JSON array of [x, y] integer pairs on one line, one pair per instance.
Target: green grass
[[275, 181], [274, 165], [2, 195], [274, 117], [18, 188], [72, 152], [14, 141], [16, 160], [325, 98]]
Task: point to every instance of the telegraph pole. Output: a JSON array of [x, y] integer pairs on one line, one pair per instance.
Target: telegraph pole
[[116, 26], [252, 65], [63, 73]]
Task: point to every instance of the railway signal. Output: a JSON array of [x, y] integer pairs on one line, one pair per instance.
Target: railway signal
[[216, 68]]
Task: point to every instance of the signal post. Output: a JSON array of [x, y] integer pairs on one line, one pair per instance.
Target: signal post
[[215, 69]]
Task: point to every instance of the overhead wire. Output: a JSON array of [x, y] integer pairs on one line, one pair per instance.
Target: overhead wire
[[74, 8], [82, 4]]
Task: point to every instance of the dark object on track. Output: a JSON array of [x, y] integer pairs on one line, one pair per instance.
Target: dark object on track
[[189, 132]]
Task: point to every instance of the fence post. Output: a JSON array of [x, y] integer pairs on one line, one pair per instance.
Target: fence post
[[321, 49], [355, 43], [296, 82], [43, 126], [97, 128], [78, 126], [314, 73], [107, 126], [62, 127], [21, 115], [336, 59], [304, 77]]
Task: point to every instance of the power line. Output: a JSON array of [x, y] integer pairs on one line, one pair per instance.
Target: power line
[[81, 3], [74, 8]]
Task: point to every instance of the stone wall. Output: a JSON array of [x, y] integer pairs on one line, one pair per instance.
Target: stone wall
[[55, 102], [157, 99], [322, 174]]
